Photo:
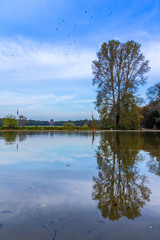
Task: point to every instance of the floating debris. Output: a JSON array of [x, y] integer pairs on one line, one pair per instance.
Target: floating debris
[[67, 165], [150, 227]]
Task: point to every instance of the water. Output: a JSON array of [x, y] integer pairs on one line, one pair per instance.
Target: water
[[75, 186]]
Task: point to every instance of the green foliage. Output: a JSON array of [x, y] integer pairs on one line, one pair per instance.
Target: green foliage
[[130, 120], [79, 123], [118, 72], [10, 122], [143, 111], [22, 120], [31, 122], [69, 124], [153, 93], [129, 115], [1, 122], [10, 137], [93, 124], [153, 120]]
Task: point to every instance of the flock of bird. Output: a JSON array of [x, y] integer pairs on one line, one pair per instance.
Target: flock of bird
[[71, 42]]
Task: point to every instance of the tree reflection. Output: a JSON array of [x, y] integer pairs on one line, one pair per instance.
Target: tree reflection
[[119, 187], [9, 137], [151, 144], [22, 136]]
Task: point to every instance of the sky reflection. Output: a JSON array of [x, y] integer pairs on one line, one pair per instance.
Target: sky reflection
[[79, 189]]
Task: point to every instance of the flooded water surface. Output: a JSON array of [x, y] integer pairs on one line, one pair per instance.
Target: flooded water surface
[[77, 186]]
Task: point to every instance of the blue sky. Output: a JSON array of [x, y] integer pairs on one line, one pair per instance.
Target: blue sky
[[47, 48]]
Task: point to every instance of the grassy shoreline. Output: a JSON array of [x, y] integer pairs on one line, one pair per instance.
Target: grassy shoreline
[[73, 129]]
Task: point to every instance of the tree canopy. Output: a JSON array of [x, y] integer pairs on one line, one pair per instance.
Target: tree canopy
[[151, 112], [153, 92], [119, 70], [10, 122], [22, 120]]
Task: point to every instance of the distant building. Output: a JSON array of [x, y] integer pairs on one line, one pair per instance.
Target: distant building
[[51, 122]]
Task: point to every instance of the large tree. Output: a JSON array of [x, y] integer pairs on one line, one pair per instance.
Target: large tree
[[10, 122], [22, 120], [119, 70]]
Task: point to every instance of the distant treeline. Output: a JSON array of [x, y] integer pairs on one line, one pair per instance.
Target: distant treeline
[[77, 122], [31, 122], [59, 123], [1, 122]]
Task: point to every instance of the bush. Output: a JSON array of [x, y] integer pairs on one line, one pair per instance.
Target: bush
[[153, 120], [10, 122]]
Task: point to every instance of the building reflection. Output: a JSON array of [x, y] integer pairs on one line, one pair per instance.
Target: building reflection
[[119, 188]]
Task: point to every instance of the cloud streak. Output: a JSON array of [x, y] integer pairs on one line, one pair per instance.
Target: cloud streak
[[152, 52], [24, 60], [15, 99]]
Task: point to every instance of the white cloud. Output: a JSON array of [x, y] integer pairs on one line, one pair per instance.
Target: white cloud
[[84, 101], [16, 99], [44, 106], [24, 60], [152, 53]]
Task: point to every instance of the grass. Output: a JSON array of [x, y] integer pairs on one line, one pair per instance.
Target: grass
[[47, 128]]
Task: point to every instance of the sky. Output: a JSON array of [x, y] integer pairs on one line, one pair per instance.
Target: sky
[[47, 48]]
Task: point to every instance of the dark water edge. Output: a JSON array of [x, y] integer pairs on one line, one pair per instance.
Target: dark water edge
[[85, 185]]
